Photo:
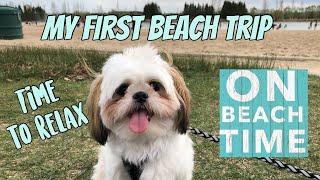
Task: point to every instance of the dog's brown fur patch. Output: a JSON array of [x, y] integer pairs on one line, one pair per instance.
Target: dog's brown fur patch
[[98, 131]]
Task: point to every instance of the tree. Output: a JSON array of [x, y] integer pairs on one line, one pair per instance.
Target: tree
[[30, 13], [151, 9], [253, 11], [277, 15], [41, 13], [233, 8], [193, 10]]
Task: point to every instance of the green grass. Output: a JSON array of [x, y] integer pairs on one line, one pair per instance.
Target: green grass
[[72, 154], [27, 62]]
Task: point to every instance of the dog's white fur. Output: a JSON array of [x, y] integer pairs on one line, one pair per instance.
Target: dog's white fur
[[170, 158], [168, 153]]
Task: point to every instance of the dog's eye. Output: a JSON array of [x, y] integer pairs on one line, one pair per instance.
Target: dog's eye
[[156, 85], [121, 90]]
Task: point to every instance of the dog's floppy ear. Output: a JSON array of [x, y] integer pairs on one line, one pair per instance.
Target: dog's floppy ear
[[182, 121], [98, 131]]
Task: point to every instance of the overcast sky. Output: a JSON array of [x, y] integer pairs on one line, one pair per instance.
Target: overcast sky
[[165, 5]]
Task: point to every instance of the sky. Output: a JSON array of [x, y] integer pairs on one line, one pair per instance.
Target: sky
[[168, 6]]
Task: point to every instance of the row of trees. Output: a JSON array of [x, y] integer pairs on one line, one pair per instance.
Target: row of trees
[[228, 9], [29, 13], [311, 12]]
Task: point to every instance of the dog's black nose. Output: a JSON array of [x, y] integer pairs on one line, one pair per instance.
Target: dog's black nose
[[140, 96]]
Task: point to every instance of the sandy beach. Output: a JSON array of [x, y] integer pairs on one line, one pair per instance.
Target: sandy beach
[[290, 48]]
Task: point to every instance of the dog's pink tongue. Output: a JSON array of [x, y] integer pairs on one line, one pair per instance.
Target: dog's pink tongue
[[138, 122]]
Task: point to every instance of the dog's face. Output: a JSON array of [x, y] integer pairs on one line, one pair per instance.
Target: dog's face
[[139, 96]]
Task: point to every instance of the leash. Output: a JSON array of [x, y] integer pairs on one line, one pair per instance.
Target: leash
[[271, 161]]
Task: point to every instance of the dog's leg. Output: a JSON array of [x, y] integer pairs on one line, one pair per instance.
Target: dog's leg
[[109, 166], [99, 171]]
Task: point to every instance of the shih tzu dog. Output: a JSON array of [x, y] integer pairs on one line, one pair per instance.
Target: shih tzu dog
[[139, 110]]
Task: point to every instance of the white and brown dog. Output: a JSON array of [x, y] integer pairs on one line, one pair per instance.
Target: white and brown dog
[[139, 110]]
